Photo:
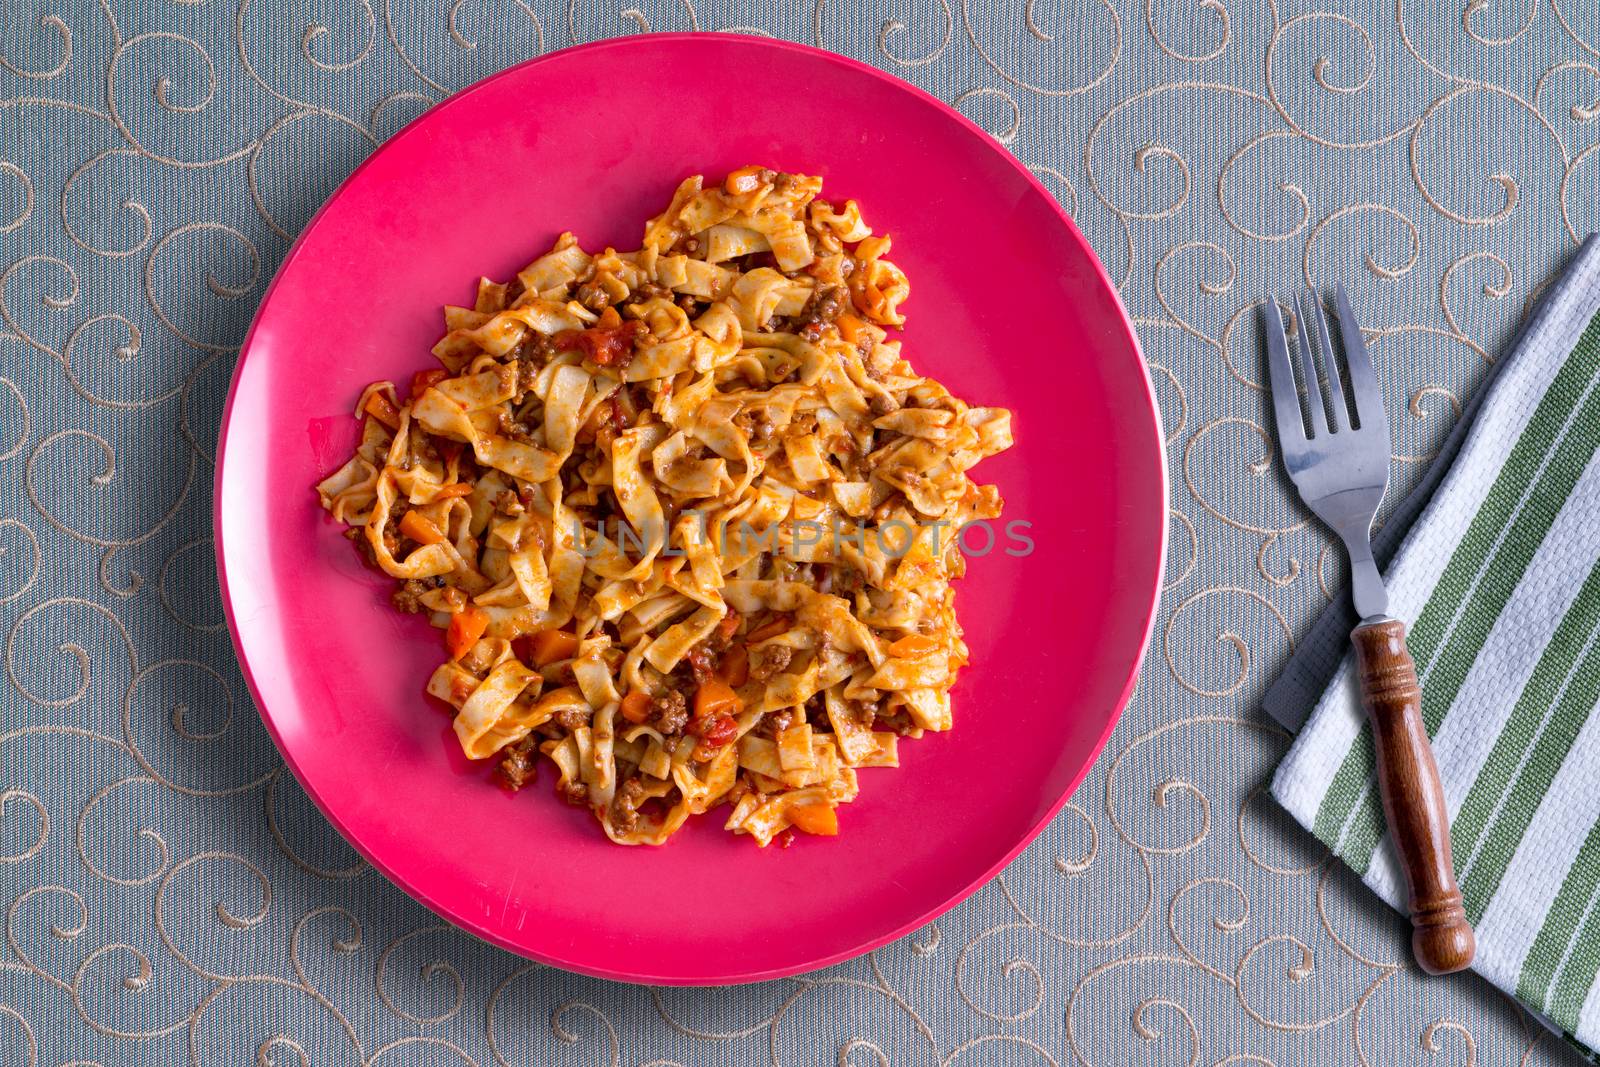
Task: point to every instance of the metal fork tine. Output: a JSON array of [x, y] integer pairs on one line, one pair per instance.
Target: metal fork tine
[[1365, 393], [1336, 409], [1285, 399], [1308, 370]]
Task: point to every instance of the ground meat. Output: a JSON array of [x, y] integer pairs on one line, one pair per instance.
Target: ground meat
[[702, 662], [518, 763], [527, 372], [391, 540], [687, 303], [514, 291], [625, 806], [778, 721], [758, 425], [594, 297], [516, 431], [881, 404], [866, 712], [847, 581], [508, 503], [769, 661], [650, 290], [899, 722], [669, 713], [531, 353], [574, 793], [358, 537], [407, 596], [691, 245], [826, 305], [569, 719]]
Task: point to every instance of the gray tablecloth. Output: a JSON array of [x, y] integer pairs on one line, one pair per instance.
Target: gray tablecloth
[[169, 895]]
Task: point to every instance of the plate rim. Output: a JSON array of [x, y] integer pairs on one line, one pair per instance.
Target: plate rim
[[465, 922]]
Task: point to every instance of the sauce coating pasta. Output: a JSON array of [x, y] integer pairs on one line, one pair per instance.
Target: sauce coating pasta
[[687, 518]]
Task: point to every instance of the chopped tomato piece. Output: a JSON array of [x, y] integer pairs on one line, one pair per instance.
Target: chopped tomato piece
[[726, 627], [550, 646], [419, 529], [716, 731], [609, 346], [636, 706], [466, 627], [913, 646], [819, 819], [783, 839], [777, 625], [713, 697], [617, 417], [734, 668], [424, 380], [382, 408]]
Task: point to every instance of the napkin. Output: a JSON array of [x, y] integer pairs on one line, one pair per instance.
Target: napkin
[[1498, 578]]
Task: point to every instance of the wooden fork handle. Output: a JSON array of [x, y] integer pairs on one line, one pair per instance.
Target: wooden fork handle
[[1413, 800]]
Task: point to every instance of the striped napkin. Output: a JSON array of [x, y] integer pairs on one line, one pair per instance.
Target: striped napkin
[[1499, 579]]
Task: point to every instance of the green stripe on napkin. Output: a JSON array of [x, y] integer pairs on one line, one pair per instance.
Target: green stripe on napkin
[[1500, 578], [1486, 567]]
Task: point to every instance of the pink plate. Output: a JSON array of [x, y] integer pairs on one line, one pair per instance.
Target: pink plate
[[1009, 307]]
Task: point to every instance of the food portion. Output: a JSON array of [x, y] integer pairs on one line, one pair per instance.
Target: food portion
[[686, 516]]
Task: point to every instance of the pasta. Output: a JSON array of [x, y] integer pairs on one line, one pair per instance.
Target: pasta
[[686, 516]]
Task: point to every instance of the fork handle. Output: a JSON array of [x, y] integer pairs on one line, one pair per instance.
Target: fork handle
[[1413, 800]]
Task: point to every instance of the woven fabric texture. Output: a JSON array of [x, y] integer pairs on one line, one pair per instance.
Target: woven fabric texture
[[167, 892]]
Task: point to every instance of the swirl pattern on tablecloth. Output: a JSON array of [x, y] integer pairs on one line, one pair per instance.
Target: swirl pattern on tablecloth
[[168, 892]]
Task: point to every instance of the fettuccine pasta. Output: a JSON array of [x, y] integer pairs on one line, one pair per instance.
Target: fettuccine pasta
[[686, 516]]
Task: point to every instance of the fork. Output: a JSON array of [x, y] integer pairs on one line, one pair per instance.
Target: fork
[[1341, 471]]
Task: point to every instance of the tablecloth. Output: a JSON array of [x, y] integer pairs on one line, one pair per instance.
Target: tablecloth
[[168, 893]]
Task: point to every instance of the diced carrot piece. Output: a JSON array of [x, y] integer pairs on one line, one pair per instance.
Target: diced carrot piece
[[778, 625], [550, 646], [850, 327], [466, 627], [819, 819], [609, 319], [382, 409], [734, 667], [912, 646], [742, 181], [636, 706], [424, 380], [713, 697], [419, 529]]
